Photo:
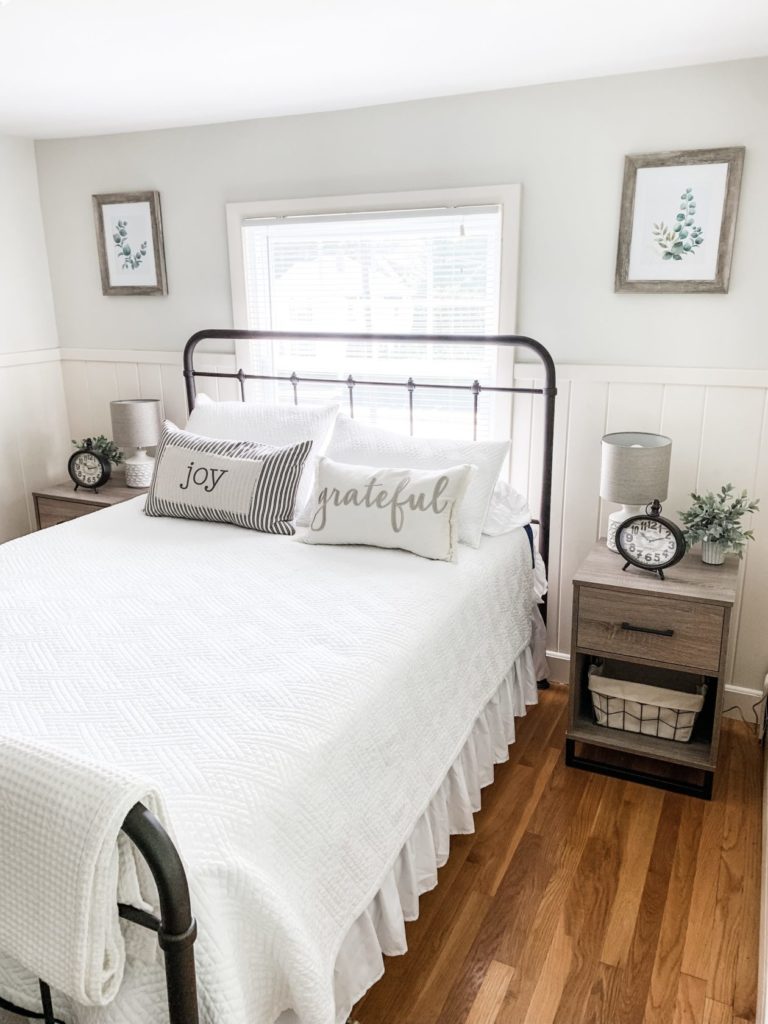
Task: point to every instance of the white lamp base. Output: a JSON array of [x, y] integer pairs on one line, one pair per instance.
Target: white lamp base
[[139, 469], [615, 519]]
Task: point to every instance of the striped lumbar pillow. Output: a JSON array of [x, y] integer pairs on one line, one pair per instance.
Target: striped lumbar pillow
[[241, 482]]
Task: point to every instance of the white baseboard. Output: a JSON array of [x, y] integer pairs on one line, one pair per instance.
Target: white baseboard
[[736, 698], [743, 699], [559, 666]]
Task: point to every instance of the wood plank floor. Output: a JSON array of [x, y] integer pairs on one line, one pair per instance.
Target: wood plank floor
[[587, 900]]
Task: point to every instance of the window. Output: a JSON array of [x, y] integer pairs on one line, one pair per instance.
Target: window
[[418, 270]]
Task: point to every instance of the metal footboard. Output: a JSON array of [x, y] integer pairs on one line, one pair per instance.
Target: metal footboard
[[176, 927]]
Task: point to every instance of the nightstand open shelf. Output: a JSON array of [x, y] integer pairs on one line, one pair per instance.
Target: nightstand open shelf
[[671, 633]]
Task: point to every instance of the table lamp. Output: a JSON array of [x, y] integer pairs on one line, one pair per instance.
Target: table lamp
[[634, 471], [136, 423]]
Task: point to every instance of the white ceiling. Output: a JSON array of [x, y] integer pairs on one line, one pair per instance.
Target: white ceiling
[[72, 67]]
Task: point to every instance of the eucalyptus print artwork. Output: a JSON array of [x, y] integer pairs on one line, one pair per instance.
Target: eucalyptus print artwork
[[678, 220], [131, 258], [683, 237], [129, 237]]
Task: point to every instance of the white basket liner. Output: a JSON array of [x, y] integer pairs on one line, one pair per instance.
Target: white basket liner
[[641, 693]]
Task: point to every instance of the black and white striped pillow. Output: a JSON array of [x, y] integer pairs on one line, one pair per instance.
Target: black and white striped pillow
[[241, 482]]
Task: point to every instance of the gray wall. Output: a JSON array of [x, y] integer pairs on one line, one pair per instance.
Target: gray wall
[[26, 303], [565, 143], [34, 432]]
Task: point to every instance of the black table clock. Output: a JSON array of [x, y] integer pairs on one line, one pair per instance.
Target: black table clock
[[649, 541], [89, 468]]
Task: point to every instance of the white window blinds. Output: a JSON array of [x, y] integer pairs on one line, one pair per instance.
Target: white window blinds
[[433, 271]]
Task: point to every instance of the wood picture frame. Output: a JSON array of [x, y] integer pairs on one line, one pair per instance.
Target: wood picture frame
[[129, 237], [677, 206]]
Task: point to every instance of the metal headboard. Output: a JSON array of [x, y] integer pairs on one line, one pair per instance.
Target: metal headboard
[[410, 386]]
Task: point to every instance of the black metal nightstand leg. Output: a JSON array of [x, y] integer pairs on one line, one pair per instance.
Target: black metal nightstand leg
[[709, 778], [574, 760]]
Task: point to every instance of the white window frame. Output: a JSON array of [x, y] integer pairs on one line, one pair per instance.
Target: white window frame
[[505, 196]]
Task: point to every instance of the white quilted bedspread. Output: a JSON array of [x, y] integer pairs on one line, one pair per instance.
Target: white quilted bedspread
[[297, 706]]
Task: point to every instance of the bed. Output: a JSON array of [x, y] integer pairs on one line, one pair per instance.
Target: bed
[[362, 697]]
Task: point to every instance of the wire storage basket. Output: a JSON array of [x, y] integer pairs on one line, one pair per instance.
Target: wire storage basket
[[640, 707]]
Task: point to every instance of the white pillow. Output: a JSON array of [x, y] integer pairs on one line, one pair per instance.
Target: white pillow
[[278, 425], [413, 509], [508, 510], [358, 443]]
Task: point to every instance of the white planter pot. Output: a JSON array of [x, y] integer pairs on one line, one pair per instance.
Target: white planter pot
[[713, 552]]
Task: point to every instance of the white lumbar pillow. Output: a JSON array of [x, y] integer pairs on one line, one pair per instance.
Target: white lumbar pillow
[[413, 509], [360, 444], [278, 425]]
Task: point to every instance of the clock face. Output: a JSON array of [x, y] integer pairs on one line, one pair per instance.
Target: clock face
[[86, 470], [648, 541]]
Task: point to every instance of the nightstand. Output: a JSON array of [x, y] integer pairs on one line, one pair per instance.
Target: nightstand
[[671, 633], [61, 502]]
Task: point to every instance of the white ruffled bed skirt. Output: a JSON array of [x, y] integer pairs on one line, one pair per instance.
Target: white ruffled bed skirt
[[380, 929]]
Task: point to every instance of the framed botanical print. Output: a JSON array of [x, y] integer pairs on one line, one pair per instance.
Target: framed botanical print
[[129, 236], [678, 218]]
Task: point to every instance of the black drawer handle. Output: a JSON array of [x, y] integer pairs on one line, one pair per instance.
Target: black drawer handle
[[647, 629]]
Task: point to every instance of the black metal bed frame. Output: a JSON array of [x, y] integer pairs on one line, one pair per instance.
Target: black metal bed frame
[[475, 388], [176, 927]]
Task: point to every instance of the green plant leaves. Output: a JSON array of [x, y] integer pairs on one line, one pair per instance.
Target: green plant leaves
[[131, 259], [718, 517], [683, 229], [103, 446]]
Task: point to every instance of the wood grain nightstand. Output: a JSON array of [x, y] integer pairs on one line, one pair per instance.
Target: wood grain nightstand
[[61, 502], [671, 633]]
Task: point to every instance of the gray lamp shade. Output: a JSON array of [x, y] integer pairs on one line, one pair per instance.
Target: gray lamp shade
[[635, 467], [136, 422]]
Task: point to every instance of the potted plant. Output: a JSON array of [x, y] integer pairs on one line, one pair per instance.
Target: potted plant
[[103, 446], [715, 521]]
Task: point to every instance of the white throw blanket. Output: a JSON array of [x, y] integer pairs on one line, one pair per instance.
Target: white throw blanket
[[61, 845]]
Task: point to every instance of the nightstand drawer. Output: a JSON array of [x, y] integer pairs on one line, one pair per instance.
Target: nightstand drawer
[[663, 629], [52, 511]]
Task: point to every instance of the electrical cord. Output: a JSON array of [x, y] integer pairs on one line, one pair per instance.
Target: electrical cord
[[755, 706]]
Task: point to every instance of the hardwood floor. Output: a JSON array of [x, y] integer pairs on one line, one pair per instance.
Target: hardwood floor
[[582, 899]]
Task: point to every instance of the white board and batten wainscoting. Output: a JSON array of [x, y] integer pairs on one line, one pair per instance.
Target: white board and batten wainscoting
[[34, 433], [717, 418]]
